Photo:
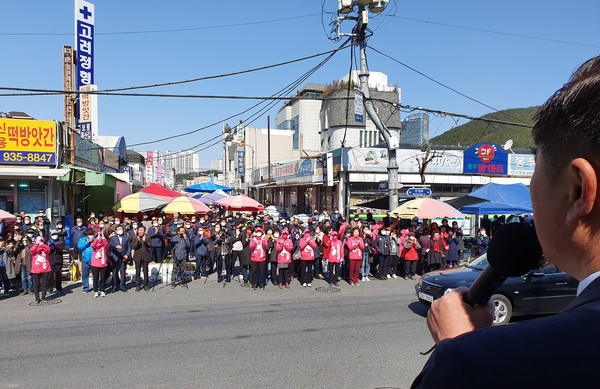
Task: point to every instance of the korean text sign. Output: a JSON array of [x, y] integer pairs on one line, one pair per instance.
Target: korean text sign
[[27, 142]]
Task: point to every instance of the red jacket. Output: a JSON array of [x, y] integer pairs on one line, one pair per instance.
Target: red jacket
[[336, 251], [355, 245], [326, 245], [284, 249], [307, 247], [259, 249], [40, 265], [98, 245]]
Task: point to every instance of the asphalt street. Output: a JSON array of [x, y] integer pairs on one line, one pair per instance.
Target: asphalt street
[[217, 336]]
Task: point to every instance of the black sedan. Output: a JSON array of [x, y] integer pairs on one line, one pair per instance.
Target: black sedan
[[539, 292]]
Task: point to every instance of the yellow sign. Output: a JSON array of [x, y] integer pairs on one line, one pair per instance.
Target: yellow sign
[[27, 142]]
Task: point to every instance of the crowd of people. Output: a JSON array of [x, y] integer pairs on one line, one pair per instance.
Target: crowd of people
[[256, 248]]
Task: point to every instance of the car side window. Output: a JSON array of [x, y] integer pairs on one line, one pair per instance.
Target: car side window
[[549, 268]]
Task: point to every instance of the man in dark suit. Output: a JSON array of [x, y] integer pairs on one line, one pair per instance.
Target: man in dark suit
[[555, 351], [120, 252]]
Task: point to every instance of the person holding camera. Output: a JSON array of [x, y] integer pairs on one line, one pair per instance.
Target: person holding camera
[[223, 255], [482, 241], [181, 248], [200, 246]]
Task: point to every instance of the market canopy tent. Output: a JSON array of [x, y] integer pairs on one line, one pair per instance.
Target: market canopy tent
[[500, 199], [207, 187], [7, 217], [213, 197], [159, 190], [426, 208], [240, 203], [140, 202], [186, 206]]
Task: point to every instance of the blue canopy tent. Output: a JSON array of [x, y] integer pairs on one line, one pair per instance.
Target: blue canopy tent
[[207, 187], [500, 199]]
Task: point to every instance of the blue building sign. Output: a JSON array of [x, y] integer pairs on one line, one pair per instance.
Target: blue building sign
[[485, 158]]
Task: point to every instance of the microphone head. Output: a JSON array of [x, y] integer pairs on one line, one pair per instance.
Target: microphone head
[[514, 250]]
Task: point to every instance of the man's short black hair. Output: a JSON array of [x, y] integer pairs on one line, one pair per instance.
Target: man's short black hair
[[89, 231], [568, 124]]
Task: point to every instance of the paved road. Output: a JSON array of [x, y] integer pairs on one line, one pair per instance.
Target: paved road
[[212, 336]]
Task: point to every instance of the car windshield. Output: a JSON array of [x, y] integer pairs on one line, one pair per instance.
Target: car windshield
[[479, 263]]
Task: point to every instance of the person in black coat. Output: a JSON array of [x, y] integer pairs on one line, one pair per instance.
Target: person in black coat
[[565, 195], [141, 247], [57, 249]]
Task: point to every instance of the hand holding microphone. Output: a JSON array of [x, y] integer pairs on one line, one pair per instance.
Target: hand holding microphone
[[464, 310]]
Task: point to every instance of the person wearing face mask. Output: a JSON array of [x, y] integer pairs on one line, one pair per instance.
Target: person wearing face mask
[[120, 254], [77, 232], [141, 257], [382, 244], [272, 252], [84, 245], [200, 247], [336, 255], [283, 248], [57, 249], [156, 235], [307, 256], [223, 255], [394, 245], [368, 254], [40, 268], [258, 246], [23, 261], [482, 241], [237, 248]]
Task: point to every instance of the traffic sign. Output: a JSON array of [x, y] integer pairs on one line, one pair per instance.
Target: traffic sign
[[418, 192]]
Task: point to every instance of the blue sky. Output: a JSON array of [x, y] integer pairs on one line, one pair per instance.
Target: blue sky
[[500, 70]]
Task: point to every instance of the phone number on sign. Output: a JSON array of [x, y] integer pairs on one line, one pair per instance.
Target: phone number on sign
[[27, 157]]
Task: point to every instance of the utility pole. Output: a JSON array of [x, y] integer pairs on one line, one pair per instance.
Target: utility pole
[[359, 33], [269, 147]]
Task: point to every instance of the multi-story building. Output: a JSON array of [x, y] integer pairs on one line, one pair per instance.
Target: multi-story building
[[415, 129], [183, 162]]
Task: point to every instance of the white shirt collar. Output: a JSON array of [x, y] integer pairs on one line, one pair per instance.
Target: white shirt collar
[[587, 281]]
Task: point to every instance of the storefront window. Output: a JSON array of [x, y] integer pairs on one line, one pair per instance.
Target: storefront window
[[7, 186]]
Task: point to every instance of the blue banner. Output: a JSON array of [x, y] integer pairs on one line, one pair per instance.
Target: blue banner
[[485, 158]]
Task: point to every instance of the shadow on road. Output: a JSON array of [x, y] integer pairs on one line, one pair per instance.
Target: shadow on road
[[418, 308]]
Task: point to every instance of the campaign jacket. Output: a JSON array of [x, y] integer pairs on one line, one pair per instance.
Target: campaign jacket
[[307, 248], [100, 244], [259, 249], [325, 244], [284, 249], [355, 246], [336, 251]]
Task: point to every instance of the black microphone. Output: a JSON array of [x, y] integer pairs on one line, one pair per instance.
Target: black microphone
[[513, 251]]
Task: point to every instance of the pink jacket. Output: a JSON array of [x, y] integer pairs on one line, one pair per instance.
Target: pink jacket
[[284, 249], [97, 245], [336, 251], [259, 249], [307, 248], [355, 245]]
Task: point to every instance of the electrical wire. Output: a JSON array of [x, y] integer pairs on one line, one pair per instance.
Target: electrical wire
[[192, 80], [495, 32], [442, 84], [139, 32]]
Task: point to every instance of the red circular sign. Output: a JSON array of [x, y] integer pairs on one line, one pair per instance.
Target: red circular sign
[[486, 153]]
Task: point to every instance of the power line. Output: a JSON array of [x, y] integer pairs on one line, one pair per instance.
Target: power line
[[162, 31], [495, 32], [171, 83], [441, 83]]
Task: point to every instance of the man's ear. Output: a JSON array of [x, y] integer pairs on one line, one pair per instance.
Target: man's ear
[[583, 190]]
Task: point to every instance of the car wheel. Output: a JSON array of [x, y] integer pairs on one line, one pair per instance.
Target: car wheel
[[502, 309]]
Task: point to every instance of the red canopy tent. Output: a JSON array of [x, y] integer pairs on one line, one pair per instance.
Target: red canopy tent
[[159, 190]]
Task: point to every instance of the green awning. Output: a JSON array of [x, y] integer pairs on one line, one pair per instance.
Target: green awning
[[80, 175]]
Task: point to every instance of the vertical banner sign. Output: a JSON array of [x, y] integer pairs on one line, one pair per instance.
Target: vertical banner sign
[[240, 162], [324, 164], [358, 107], [329, 169], [159, 173], [149, 167], [84, 43]]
